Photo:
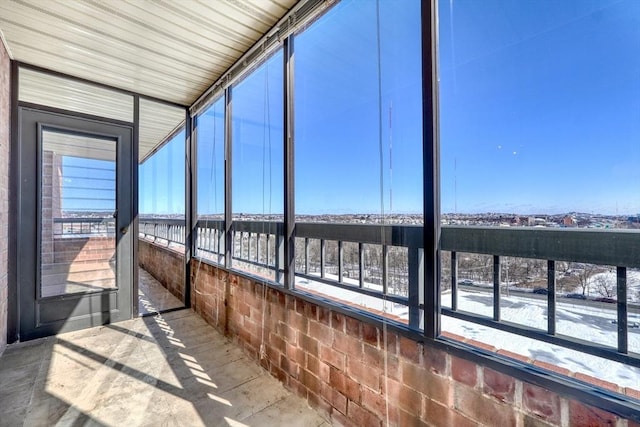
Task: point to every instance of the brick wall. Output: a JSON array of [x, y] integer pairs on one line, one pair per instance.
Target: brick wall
[[165, 264], [83, 250], [5, 119], [358, 375], [50, 203]]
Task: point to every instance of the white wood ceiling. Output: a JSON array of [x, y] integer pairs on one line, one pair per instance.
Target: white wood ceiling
[[168, 49]]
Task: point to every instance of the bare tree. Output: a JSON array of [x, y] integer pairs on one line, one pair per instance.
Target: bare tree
[[605, 286], [584, 273]]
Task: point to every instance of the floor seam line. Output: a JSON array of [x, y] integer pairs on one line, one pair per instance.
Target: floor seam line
[[262, 409], [240, 384]]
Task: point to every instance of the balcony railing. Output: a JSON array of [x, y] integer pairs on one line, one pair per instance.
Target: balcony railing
[[83, 227], [260, 244], [166, 230]]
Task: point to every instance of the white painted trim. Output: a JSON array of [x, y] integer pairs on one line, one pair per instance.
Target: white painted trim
[[5, 44]]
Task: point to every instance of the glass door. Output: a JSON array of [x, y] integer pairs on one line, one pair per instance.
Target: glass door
[[76, 208]]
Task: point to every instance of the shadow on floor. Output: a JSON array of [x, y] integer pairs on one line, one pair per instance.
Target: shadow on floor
[[170, 369]]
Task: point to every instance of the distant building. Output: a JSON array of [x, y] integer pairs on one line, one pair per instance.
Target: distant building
[[634, 219], [570, 221]]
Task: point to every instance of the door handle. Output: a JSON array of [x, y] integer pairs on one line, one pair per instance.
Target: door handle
[[124, 230]]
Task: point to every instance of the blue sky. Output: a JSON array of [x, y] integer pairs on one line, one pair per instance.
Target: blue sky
[[162, 179], [540, 106], [539, 113], [88, 185]]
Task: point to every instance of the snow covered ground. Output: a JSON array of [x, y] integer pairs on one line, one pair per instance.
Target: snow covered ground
[[589, 322], [592, 324]]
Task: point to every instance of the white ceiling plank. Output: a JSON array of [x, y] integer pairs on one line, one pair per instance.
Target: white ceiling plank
[[165, 49]]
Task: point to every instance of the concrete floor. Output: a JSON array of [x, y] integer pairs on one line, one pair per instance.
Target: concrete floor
[[164, 370], [152, 296]]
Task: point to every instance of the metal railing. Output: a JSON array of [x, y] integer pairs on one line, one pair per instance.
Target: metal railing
[[81, 227], [168, 230], [260, 243]]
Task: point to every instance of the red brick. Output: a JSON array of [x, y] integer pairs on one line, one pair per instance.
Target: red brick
[[318, 368], [435, 360], [344, 385], [295, 354], [364, 374], [464, 371], [307, 343], [410, 349], [541, 403], [288, 366], [389, 342], [244, 309], [407, 419], [309, 380], [552, 367], [337, 321], [427, 383], [289, 334], [533, 421], [515, 356], [404, 397], [361, 416], [322, 333], [336, 399], [311, 311], [373, 357], [597, 382], [453, 336], [290, 302], [392, 369], [244, 335], [482, 409], [273, 355], [277, 343], [490, 348], [370, 334], [587, 416], [352, 327], [332, 356], [319, 403], [339, 419], [277, 314], [632, 392], [296, 387], [499, 385], [298, 322], [438, 414], [348, 345], [324, 316], [375, 402], [280, 374], [300, 304]]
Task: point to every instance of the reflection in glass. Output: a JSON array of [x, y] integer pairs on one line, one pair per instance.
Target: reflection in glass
[[358, 150], [77, 205]]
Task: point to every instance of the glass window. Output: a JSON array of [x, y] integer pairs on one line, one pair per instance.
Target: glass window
[[162, 181], [257, 169], [358, 152], [210, 156], [539, 106]]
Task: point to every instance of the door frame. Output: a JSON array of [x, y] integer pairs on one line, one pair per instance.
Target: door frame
[[38, 317]]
